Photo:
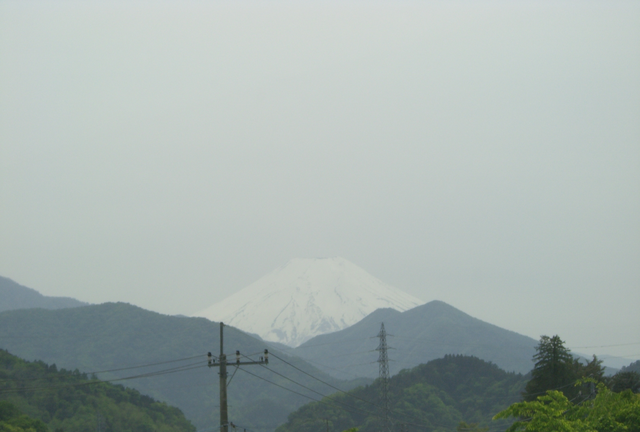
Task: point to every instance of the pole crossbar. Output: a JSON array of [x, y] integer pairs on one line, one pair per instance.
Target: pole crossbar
[[222, 363]]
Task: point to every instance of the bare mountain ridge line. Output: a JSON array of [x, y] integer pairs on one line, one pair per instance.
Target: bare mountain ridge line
[[421, 334], [305, 298], [15, 296]]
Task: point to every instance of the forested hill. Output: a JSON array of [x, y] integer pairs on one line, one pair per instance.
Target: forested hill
[[72, 402], [169, 356], [15, 296], [435, 396]]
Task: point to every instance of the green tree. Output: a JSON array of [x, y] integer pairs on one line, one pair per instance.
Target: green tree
[[592, 369], [554, 368], [607, 412], [13, 420], [625, 381]]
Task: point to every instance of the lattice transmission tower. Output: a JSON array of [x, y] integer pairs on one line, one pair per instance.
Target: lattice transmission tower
[[383, 360]]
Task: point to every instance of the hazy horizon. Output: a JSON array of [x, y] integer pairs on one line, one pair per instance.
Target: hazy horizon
[[485, 154]]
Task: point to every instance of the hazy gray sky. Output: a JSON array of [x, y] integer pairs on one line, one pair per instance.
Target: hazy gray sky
[[486, 154]]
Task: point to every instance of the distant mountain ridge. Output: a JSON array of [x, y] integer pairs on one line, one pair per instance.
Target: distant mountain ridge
[[417, 336], [15, 296], [305, 298], [118, 335]]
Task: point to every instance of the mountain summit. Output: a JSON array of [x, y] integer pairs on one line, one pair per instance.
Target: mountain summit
[[305, 298]]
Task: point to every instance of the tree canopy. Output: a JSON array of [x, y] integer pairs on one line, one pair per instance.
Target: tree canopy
[[69, 401], [556, 369], [437, 396], [606, 412], [13, 420]]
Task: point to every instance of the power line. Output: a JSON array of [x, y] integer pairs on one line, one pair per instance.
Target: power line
[[605, 346], [314, 391], [330, 343], [120, 369], [146, 365], [278, 385], [330, 400], [94, 382], [324, 382]]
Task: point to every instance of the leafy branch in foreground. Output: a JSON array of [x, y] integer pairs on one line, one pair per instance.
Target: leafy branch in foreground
[[607, 412]]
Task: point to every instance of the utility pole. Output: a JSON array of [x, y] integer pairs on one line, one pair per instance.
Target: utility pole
[[222, 363], [383, 359]]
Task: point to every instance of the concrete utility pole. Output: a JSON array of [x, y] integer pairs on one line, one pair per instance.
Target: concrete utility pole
[[221, 362]]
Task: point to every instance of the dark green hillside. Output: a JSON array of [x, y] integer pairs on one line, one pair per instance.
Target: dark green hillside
[[70, 401], [13, 420], [435, 396], [633, 367], [116, 335], [420, 334], [15, 296]]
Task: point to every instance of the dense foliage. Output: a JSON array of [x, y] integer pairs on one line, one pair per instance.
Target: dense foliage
[[70, 401], [556, 369], [624, 381], [13, 420], [436, 396], [606, 412]]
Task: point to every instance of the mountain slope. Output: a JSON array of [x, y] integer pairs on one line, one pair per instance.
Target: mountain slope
[[418, 335], [305, 298], [436, 396], [112, 336], [15, 296], [72, 402]]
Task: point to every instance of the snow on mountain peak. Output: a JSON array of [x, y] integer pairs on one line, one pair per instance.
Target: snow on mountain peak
[[305, 298]]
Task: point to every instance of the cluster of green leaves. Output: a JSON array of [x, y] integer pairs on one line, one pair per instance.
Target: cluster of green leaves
[[437, 396], [13, 420], [607, 412], [70, 401]]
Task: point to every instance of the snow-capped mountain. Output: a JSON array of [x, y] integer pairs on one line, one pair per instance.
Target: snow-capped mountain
[[305, 298]]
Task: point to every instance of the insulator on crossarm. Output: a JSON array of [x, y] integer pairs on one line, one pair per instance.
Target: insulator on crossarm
[[237, 357], [209, 358], [266, 356]]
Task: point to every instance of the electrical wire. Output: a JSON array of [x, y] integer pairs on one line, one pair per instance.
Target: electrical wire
[[330, 343], [342, 391], [557, 388], [328, 399], [94, 382], [278, 385], [439, 342], [605, 346], [324, 382], [147, 365], [118, 369], [307, 388]]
